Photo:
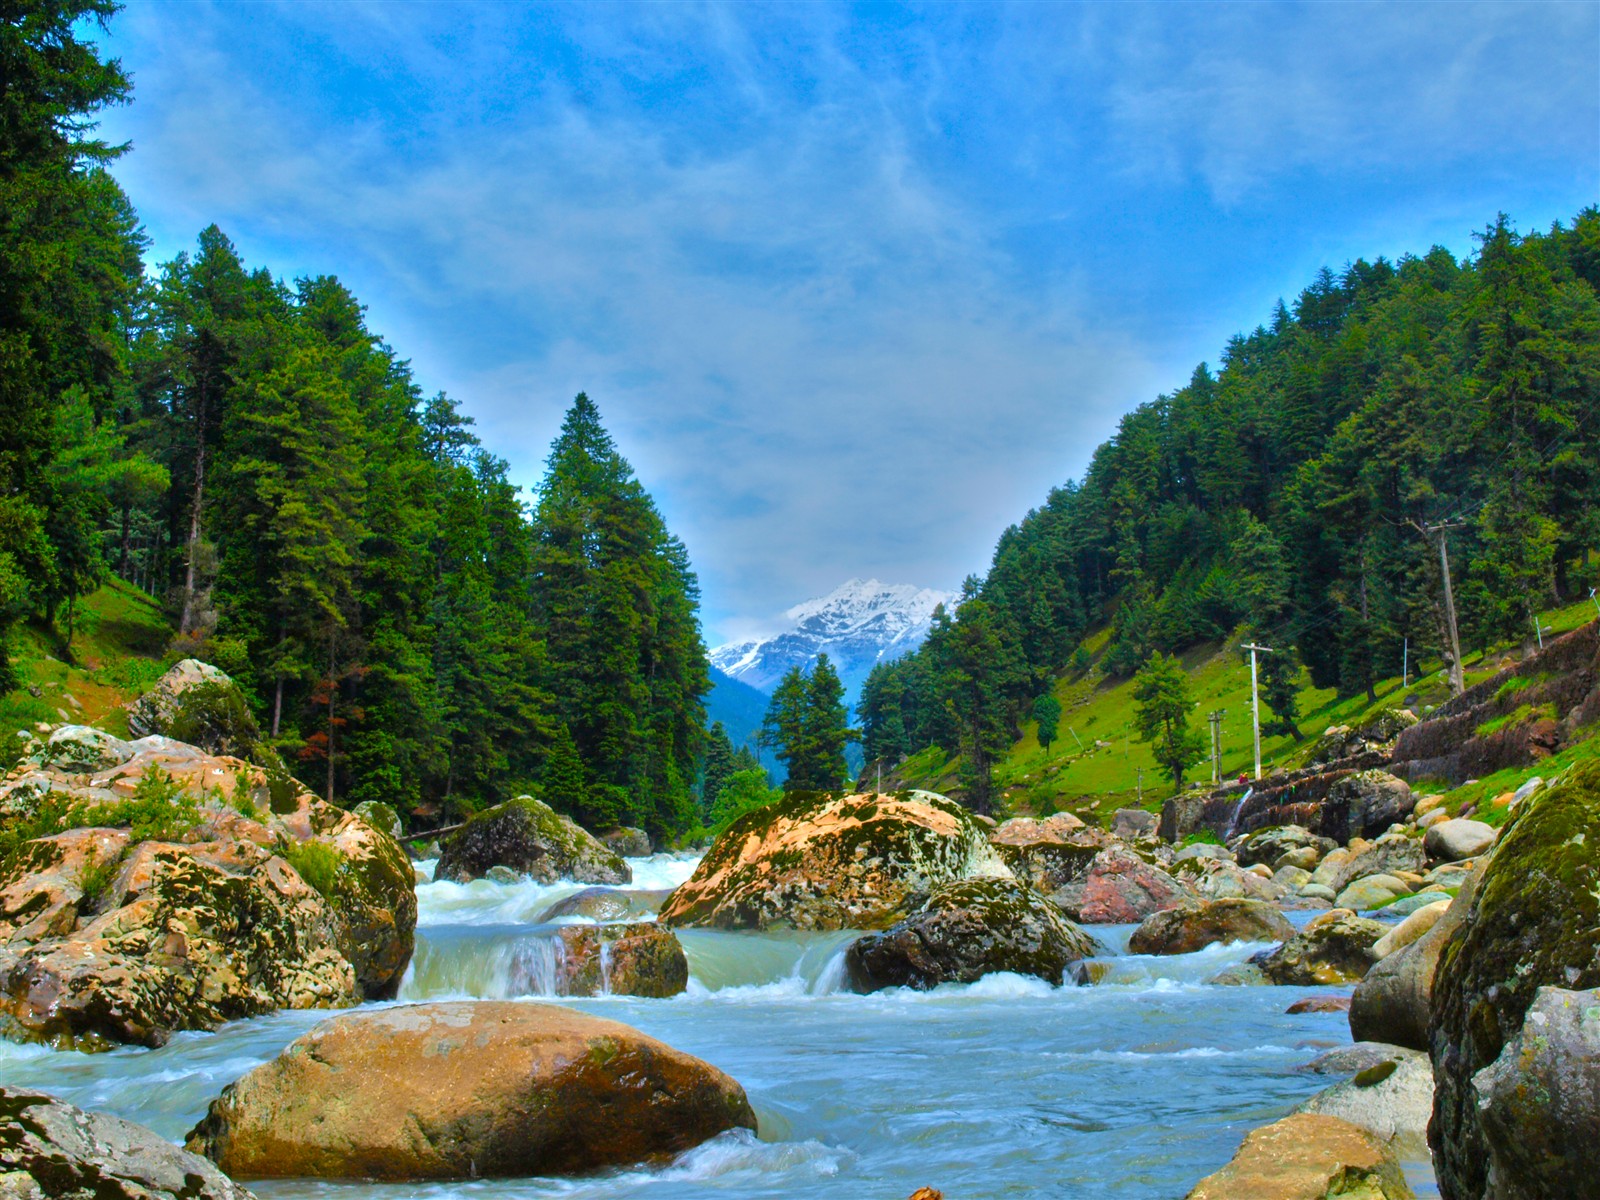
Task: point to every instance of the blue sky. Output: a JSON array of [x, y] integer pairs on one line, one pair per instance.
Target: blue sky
[[852, 285]]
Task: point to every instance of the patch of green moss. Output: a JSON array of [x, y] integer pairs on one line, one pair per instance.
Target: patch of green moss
[[1521, 715], [318, 863]]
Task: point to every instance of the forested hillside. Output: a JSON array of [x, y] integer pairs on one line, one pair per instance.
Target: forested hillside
[[1298, 495], [246, 450]]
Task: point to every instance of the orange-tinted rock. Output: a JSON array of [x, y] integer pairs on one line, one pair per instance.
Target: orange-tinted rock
[[444, 1091], [1308, 1157]]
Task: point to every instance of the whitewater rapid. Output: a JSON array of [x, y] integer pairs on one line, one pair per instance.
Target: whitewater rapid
[[1133, 1088]]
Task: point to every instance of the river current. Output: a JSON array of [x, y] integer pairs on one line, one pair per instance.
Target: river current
[[1132, 1089]]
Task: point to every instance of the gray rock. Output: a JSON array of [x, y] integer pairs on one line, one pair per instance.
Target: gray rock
[[628, 842], [1240, 975], [1394, 1002], [1318, 891], [380, 816], [1539, 1102], [49, 1148], [1203, 850], [1452, 841], [593, 904], [1407, 905], [1392, 1098], [529, 837], [1270, 845], [1391, 853], [1132, 824], [1370, 892], [1364, 804], [197, 703], [1526, 790], [1356, 1057], [83, 749], [1334, 948], [1195, 925], [966, 930]]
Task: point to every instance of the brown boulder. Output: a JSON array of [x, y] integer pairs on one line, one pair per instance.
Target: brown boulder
[[642, 959], [1194, 925], [448, 1091], [1308, 1157]]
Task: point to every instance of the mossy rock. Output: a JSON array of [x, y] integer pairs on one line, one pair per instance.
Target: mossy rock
[[1532, 921], [198, 704], [380, 816], [532, 839], [966, 930], [820, 861]]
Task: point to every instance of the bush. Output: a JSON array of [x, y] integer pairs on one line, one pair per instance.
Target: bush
[[214, 716], [744, 792], [317, 863], [94, 878]]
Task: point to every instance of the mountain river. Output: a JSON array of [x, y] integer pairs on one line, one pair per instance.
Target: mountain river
[[1131, 1089]]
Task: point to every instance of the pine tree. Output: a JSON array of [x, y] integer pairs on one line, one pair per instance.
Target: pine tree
[[1162, 708], [1046, 714], [806, 724]]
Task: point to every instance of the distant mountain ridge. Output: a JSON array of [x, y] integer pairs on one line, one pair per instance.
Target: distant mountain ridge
[[858, 624]]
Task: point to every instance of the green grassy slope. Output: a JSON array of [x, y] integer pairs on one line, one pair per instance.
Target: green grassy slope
[[1094, 766], [116, 653]]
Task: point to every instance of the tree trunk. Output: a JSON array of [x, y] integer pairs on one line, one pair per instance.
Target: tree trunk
[[277, 705], [186, 620], [333, 693], [122, 558]]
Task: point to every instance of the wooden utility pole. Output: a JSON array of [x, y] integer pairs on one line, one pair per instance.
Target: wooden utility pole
[[1215, 717], [1255, 699]]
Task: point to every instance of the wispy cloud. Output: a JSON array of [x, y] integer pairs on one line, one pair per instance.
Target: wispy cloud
[[853, 291]]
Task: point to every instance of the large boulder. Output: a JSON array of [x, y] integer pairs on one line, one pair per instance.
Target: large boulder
[[1452, 841], [1195, 925], [1364, 804], [1133, 824], [1222, 879], [530, 838], [81, 749], [627, 842], [50, 1148], [1308, 1156], [1393, 1001], [1270, 845], [1539, 1102], [1334, 948], [1050, 856], [1120, 888], [200, 705], [966, 930], [1532, 921], [182, 889], [1392, 1098], [833, 862], [448, 1091]]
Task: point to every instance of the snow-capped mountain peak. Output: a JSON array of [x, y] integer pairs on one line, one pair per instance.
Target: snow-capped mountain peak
[[858, 624]]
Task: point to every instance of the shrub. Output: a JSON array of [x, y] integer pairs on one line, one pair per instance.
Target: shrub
[[94, 878], [317, 863]]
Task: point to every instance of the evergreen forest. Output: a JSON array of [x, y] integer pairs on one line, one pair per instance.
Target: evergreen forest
[[1306, 494], [247, 450]]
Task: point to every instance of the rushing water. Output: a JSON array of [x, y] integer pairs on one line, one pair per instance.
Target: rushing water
[[1135, 1087]]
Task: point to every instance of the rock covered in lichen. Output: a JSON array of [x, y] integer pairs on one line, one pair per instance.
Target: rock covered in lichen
[[49, 1148], [200, 705], [639, 959], [832, 862], [455, 1090], [1539, 1102], [1334, 948], [1531, 921], [1120, 887], [966, 930], [530, 838], [176, 889]]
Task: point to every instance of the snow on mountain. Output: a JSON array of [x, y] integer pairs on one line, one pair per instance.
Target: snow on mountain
[[859, 623]]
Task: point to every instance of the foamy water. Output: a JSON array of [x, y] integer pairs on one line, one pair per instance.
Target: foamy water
[[1007, 1087]]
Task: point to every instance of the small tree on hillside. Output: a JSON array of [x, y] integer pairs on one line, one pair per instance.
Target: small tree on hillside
[[1047, 712], [1162, 707], [806, 724]]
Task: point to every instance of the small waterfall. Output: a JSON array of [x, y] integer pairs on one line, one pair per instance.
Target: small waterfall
[[1233, 821], [605, 967], [536, 967]]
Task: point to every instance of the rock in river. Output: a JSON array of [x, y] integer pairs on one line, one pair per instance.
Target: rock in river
[[1392, 1098], [832, 862], [1121, 888], [642, 959], [1308, 1157], [532, 839], [1194, 926], [1334, 948], [964, 931], [50, 1148], [1531, 921], [447, 1091], [194, 889]]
